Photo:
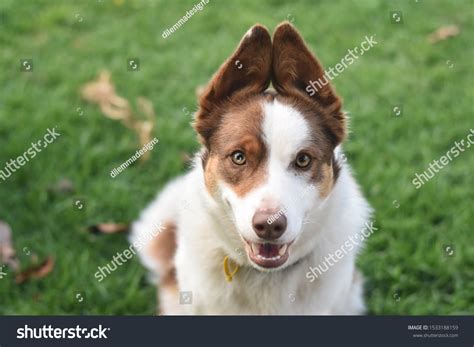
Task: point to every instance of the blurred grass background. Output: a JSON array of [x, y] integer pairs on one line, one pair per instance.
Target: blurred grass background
[[407, 270]]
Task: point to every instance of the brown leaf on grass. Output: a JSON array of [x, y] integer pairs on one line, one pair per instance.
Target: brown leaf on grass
[[109, 228], [64, 186], [7, 252], [146, 107], [102, 92], [443, 33], [36, 271]]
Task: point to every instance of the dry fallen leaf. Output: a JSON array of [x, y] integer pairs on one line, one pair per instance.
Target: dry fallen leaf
[[7, 252], [36, 271], [144, 128], [443, 33], [64, 185], [102, 92], [109, 228], [146, 107]]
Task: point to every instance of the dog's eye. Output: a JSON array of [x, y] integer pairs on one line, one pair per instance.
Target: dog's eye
[[238, 158], [302, 160]]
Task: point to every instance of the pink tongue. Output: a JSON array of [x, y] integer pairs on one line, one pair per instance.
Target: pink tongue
[[268, 250]]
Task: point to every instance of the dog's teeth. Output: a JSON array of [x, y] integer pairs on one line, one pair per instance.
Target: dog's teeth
[[255, 248], [282, 250]]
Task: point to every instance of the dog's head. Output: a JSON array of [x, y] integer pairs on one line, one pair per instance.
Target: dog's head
[[269, 156]]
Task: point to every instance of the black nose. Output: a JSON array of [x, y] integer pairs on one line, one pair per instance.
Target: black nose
[[269, 224]]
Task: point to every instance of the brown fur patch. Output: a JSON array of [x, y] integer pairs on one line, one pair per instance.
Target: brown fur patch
[[246, 72], [163, 248], [211, 173], [326, 181], [168, 281], [240, 129]]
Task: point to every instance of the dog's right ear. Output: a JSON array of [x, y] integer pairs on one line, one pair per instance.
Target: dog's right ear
[[294, 68], [246, 72]]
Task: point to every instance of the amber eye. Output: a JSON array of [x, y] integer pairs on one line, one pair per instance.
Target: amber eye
[[302, 160], [238, 157]]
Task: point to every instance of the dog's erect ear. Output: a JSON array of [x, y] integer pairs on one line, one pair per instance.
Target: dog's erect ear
[[246, 72], [297, 72]]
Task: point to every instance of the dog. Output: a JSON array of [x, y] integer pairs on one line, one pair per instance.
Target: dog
[[269, 195]]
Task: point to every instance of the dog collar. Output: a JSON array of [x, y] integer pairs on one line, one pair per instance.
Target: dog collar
[[229, 274]]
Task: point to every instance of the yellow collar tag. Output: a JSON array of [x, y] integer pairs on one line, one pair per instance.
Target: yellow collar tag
[[229, 274]]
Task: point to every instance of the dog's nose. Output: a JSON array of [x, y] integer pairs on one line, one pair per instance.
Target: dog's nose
[[269, 224]]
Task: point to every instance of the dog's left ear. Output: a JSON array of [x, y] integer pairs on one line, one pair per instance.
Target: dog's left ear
[[246, 72], [294, 67]]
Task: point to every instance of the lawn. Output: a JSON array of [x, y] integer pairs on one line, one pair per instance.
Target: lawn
[[407, 268]]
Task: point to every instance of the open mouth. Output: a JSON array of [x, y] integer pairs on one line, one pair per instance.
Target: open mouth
[[268, 255]]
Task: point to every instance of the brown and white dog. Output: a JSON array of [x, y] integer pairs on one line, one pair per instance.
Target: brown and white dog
[[269, 193]]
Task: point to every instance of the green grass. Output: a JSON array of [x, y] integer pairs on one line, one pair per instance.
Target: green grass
[[405, 257]]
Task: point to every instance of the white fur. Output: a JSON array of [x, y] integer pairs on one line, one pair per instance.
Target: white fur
[[285, 131], [208, 230]]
